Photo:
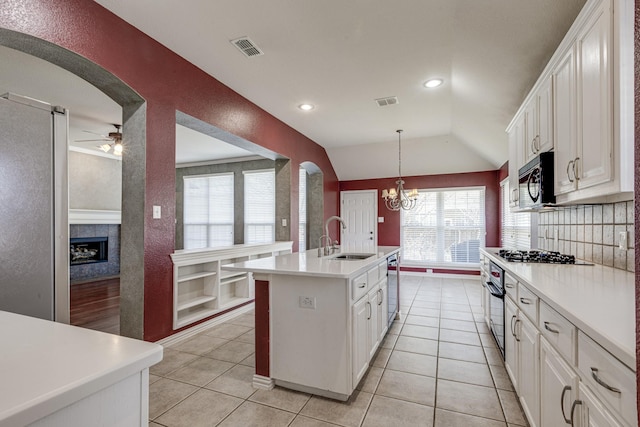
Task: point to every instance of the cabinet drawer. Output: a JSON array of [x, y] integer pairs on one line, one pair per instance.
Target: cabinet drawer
[[511, 286], [528, 303], [382, 270], [561, 333], [608, 378], [372, 277], [359, 286]]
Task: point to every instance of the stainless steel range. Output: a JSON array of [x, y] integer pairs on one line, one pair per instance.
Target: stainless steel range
[[539, 256]]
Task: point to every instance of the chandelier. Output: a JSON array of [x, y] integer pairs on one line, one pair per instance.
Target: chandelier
[[398, 198]]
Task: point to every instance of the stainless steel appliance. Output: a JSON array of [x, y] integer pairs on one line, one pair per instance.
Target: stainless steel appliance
[[393, 276], [34, 245], [495, 286], [539, 256], [536, 182]]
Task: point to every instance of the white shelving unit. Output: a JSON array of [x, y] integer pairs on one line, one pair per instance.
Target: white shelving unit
[[201, 289]]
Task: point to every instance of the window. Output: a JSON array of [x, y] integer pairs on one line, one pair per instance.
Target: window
[[208, 210], [445, 227], [259, 206], [302, 211], [516, 227]]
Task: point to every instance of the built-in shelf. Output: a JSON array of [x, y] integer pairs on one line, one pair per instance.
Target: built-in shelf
[[201, 289]]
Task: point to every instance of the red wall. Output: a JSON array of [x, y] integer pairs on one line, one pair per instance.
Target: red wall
[[168, 83], [389, 230]]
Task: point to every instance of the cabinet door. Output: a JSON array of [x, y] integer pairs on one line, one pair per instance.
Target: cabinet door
[[516, 158], [528, 373], [591, 412], [511, 347], [383, 309], [544, 101], [595, 134], [530, 149], [564, 122], [558, 387], [360, 319], [374, 337]]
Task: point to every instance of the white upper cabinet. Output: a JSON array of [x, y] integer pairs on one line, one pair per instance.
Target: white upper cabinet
[[538, 135]]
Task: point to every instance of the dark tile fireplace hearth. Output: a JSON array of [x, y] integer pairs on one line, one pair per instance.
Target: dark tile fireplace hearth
[[88, 250]]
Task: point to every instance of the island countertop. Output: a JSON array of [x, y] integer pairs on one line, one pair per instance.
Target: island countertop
[[309, 264], [46, 366]]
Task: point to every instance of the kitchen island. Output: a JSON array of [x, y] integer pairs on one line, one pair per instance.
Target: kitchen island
[[319, 320], [55, 374]]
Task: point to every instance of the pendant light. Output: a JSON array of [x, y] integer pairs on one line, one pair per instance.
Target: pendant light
[[397, 198]]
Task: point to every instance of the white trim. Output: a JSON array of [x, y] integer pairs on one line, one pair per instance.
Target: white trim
[[207, 175], [188, 333], [218, 161], [254, 171], [98, 153], [263, 383], [94, 216]]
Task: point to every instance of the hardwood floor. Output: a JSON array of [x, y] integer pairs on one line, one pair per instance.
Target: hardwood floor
[[96, 305]]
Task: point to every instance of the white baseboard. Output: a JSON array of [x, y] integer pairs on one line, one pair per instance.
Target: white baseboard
[[261, 382]]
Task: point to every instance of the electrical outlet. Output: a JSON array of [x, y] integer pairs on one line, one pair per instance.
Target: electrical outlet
[[307, 302], [622, 241], [429, 270]]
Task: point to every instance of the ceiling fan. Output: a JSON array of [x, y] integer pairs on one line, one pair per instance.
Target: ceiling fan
[[114, 137]]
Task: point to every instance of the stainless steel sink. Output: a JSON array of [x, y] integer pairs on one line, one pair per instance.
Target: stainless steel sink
[[352, 257]]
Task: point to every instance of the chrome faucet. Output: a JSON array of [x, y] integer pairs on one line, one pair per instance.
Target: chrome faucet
[[331, 246]]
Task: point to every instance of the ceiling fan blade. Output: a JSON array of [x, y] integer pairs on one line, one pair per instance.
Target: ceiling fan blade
[[93, 140], [95, 133]]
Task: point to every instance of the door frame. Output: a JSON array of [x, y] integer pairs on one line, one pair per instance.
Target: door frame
[[375, 211]]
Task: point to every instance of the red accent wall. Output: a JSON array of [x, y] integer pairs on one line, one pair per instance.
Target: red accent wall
[[389, 230], [636, 38], [168, 83]]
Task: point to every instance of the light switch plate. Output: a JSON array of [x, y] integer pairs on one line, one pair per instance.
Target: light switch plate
[[307, 302], [380, 219], [157, 212]]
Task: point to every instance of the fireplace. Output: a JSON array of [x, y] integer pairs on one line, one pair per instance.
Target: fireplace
[[88, 250]]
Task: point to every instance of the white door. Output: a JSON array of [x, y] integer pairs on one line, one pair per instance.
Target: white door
[[358, 210]]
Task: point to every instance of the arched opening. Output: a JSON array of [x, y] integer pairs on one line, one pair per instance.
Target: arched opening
[[133, 167], [314, 203]]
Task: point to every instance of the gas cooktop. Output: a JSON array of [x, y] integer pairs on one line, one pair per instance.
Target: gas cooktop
[[539, 256]]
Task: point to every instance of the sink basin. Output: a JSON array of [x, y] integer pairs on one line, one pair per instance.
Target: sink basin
[[352, 257]]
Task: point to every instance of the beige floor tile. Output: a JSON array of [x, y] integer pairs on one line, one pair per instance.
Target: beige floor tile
[[494, 356], [227, 331], [512, 409], [153, 378], [488, 341], [385, 412], [460, 337], [458, 325], [466, 372], [470, 353], [248, 337], [482, 327], [203, 408], [199, 344], [233, 351], [417, 345], [469, 399], [455, 306], [428, 303], [500, 377], [248, 320], [381, 358], [420, 332], [371, 379], [455, 419], [255, 415], [200, 371], [171, 360], [348, 414], [420, 311], [152, 424], [395, 328], [250, 360], [302, 421], [406, 386], [164, 394], [412, 319], [281, 398], [457, 315], [237, 381], [389, 341], [414, 363]]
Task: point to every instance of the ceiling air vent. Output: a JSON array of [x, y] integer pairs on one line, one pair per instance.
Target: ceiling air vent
[[390, 100], [246, 46]]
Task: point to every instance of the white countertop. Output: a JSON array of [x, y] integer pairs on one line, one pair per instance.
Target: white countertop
[[45, 366], [599, 300], [309, 264]]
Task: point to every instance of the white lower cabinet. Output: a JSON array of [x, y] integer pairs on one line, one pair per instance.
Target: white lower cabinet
[[590, 411], [372, 325], [558, 387], [511, 348], [383, 309], [360, 338], [528, 372]]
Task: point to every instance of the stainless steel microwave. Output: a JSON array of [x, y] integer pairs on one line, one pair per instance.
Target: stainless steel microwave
[[535, 185]]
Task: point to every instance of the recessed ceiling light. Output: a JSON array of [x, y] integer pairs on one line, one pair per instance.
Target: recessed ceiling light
[[433, 83], [305, 107]]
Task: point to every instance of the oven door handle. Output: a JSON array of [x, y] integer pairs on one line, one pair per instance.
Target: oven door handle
[[494, 291]]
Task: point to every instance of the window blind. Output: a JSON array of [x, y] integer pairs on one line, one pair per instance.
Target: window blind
[[259, 206], [446, 227], [302, 211], [208, 211], [516, 226]]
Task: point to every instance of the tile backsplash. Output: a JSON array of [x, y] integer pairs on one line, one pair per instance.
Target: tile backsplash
[[591, 233]]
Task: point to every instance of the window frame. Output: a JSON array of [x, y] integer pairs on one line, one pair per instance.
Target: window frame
[[248, 192]]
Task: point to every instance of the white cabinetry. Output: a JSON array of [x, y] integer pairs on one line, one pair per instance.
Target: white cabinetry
[[538, 136], [528, 370], [511, 348], [202, 288], [558, 387], [516, 158], [591, 411], [361, 338]]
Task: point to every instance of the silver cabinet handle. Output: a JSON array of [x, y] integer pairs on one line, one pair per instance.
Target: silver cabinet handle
[[515, 325], [533, 146], [573, 408], [370, 311], [570, 165], [564, 390], [575, 168], [550, 329], [508, 285], [381, 296], [525, 301], [537, 142], [362, 285], [594, 374]]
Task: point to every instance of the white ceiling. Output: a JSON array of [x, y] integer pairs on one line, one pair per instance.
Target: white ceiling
[[341, 55]]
